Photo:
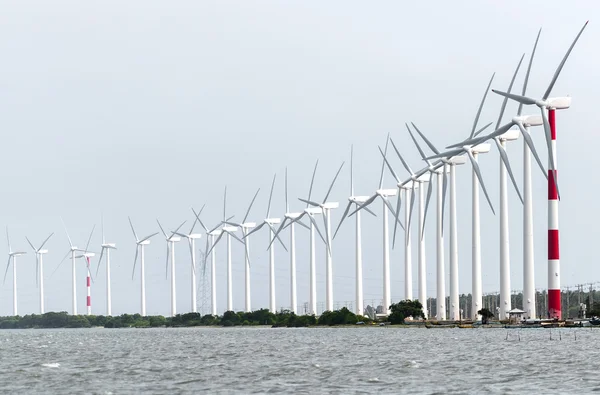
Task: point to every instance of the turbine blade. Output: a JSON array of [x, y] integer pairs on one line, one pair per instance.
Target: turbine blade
[[8, 240], [161, 229], [333, 182], [368, 210], [61, 261], [179, 227], [387, 140], [287, 207], [255, 229], [447, 154], [199, 220], [224, 202], [429, 143], [389, 206], [506, 162], [303, 225], [478, 174], [102, 224], [250, 206], [281, 227], [137, 248], [412, 136], [518, 98], [167, 264], [388, 165], [325, 212], [99, 260], [312, 220], [412, 204], [236, 237], [512, 81], [532, 149], [277, 237], [6, 271], [526, 80], [133, 230], [562, 63], [312, 180], [67, 232], [31, 244], [406, 166], [310, 202], [205, 257], [45, 241], [37, 269], [365, 204], [215, 243], [351, 171], [148, 237], [481, 106], [271, 196], [429, 190], [343, 217], [397, 216], [90, 238]]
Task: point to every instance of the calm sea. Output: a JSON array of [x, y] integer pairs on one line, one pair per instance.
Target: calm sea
[[305, 360]]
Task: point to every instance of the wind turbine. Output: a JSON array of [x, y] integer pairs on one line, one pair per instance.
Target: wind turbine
[[270, 222], [210, 237], [191, 238], [87, 255], [440, 171], [472, 151], [245, 226], [171, 240], [72, 250], [106, 247], [356, 201], [228, 230], [327, 207], [416, 181], [39, 265], [383, 194], [288, 216], [12, 256], [549, 121], [311, 212], [140, 245]]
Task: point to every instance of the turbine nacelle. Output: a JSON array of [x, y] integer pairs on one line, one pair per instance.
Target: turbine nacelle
[[248, 225], [194, 236], [230, 228], [109, 245], [386, 192], [42, 252], [175, 239], [529, 120], [482, 148], [292, 215], [330, 205], [510, 135], [215, 232], [408, 185], [313, 210], [358, 199], [457, 160], [144, 243], [558, 103]]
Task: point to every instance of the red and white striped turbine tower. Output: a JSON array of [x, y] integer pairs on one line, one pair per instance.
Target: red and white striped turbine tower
[[551, 105]]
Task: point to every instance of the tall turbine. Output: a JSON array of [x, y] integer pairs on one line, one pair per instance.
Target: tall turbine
[[171, 240], [356, 201], [106, 247], [246, 226], [140, 245], [39, 266], [72, 250], [191, 238], [311, 212], [12, 256], [416, 181], [87, 255], [270, 222], [383, 194], [288, 216], [225, 230], [327, 207], [551, 105]]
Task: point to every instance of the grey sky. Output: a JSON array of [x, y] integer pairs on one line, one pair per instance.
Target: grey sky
[[146, 108]]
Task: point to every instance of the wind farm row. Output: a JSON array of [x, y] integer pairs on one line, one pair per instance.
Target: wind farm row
[[400, 203]]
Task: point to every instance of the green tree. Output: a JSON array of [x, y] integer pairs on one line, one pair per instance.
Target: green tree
[[404, 309]]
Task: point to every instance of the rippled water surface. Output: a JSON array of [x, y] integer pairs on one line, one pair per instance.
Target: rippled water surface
[[305, 360]]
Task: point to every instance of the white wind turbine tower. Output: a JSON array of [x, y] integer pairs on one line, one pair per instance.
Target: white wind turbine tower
[[245, 226], [171, 240], [416, 181], [270, 222], [356, 201], [140, 245], [383, 194], [12, 256], [210, 237], [106, 247], [228, 230], [327, 207], [191, 238], [289, 217], [311, 212], [39, 266]]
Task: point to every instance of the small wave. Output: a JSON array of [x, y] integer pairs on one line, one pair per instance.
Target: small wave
[[316, 365], [51, 365], [373, 380]]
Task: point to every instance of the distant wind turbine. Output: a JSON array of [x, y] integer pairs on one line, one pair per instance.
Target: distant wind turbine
[[12, 256]]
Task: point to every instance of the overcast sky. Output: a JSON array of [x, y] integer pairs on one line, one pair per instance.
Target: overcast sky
[[149, 108]]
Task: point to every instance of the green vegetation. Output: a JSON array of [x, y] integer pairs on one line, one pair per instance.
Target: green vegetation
[[405, 309], [485, 314], [283, 318]]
